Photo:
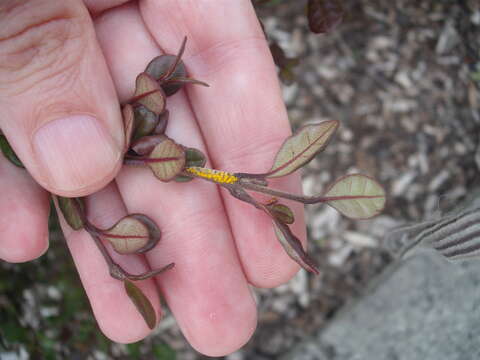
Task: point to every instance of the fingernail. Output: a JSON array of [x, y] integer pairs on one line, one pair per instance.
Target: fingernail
[[75, 152]]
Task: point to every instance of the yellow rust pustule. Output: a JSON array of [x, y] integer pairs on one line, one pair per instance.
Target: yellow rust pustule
[[217, 176]]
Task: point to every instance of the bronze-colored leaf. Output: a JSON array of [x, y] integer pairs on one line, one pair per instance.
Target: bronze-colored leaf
[[146, 144], [145, 122], [70, 208], [324, 15], [301, 147], [128, 120], [193, 157], [356, 196], [141, 302], [282, 213], [9, 153], [166, 160], [149, 93], [159, 66], [133, 234], [293, 247]]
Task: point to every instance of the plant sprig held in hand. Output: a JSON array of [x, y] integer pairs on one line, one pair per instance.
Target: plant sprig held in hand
[[145, 120]]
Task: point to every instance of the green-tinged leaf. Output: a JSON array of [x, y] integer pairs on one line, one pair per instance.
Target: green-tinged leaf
[[142, 303], [166, 160], [301, 147], [145, 122], [149, 93], [135, 233], [70, 208], [356, 196], [324, 15], [293, 247], [282, 213], [128, 123], [8, 152], [193, 157], [159, 66]]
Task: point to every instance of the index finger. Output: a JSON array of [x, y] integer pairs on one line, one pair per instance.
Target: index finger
[[242, 116]]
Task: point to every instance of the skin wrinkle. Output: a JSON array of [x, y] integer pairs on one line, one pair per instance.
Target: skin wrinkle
[[57, 51]]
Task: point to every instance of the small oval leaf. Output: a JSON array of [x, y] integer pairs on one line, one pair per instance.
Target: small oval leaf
[[301, 147], [293, 247], [9, 153], [132, 234], [324, 15], [141, 302], [145, 122], [166, 160], [70, 208], [149, 93], [356, 196], [282, 213]]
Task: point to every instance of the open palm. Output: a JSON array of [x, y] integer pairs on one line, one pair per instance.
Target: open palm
[[56, 62]]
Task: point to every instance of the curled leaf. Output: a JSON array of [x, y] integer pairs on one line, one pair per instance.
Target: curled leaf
[[141, 302], [128, 120], [293, 247], [71, 208], [8, 152], [193, 157], [149, 93], [301, 147], [159, 67], [134, 233], [324, 15], [356, 196], [166, 160], [145, 122], [282, 213]]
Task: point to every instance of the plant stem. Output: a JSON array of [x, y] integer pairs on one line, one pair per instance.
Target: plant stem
[[116, 271], [278, 193]]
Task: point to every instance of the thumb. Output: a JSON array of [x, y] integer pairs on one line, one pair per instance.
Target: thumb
[[58, 106]]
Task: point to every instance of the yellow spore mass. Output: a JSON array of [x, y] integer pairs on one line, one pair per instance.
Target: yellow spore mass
[[220, 177]]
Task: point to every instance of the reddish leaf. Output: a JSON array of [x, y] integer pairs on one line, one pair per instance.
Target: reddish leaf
[[149, 93], [301, 147], [356, 196], [135, 233], [293, 247], [282, 213], [146, 144], [167, 159], [324, 15]]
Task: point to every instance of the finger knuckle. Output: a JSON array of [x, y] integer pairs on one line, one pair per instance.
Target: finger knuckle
[[39, 40]]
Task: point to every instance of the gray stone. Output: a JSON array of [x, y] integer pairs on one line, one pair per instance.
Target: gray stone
[[425, 309]]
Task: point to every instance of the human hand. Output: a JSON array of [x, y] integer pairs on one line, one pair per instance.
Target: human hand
[[55, 62]]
